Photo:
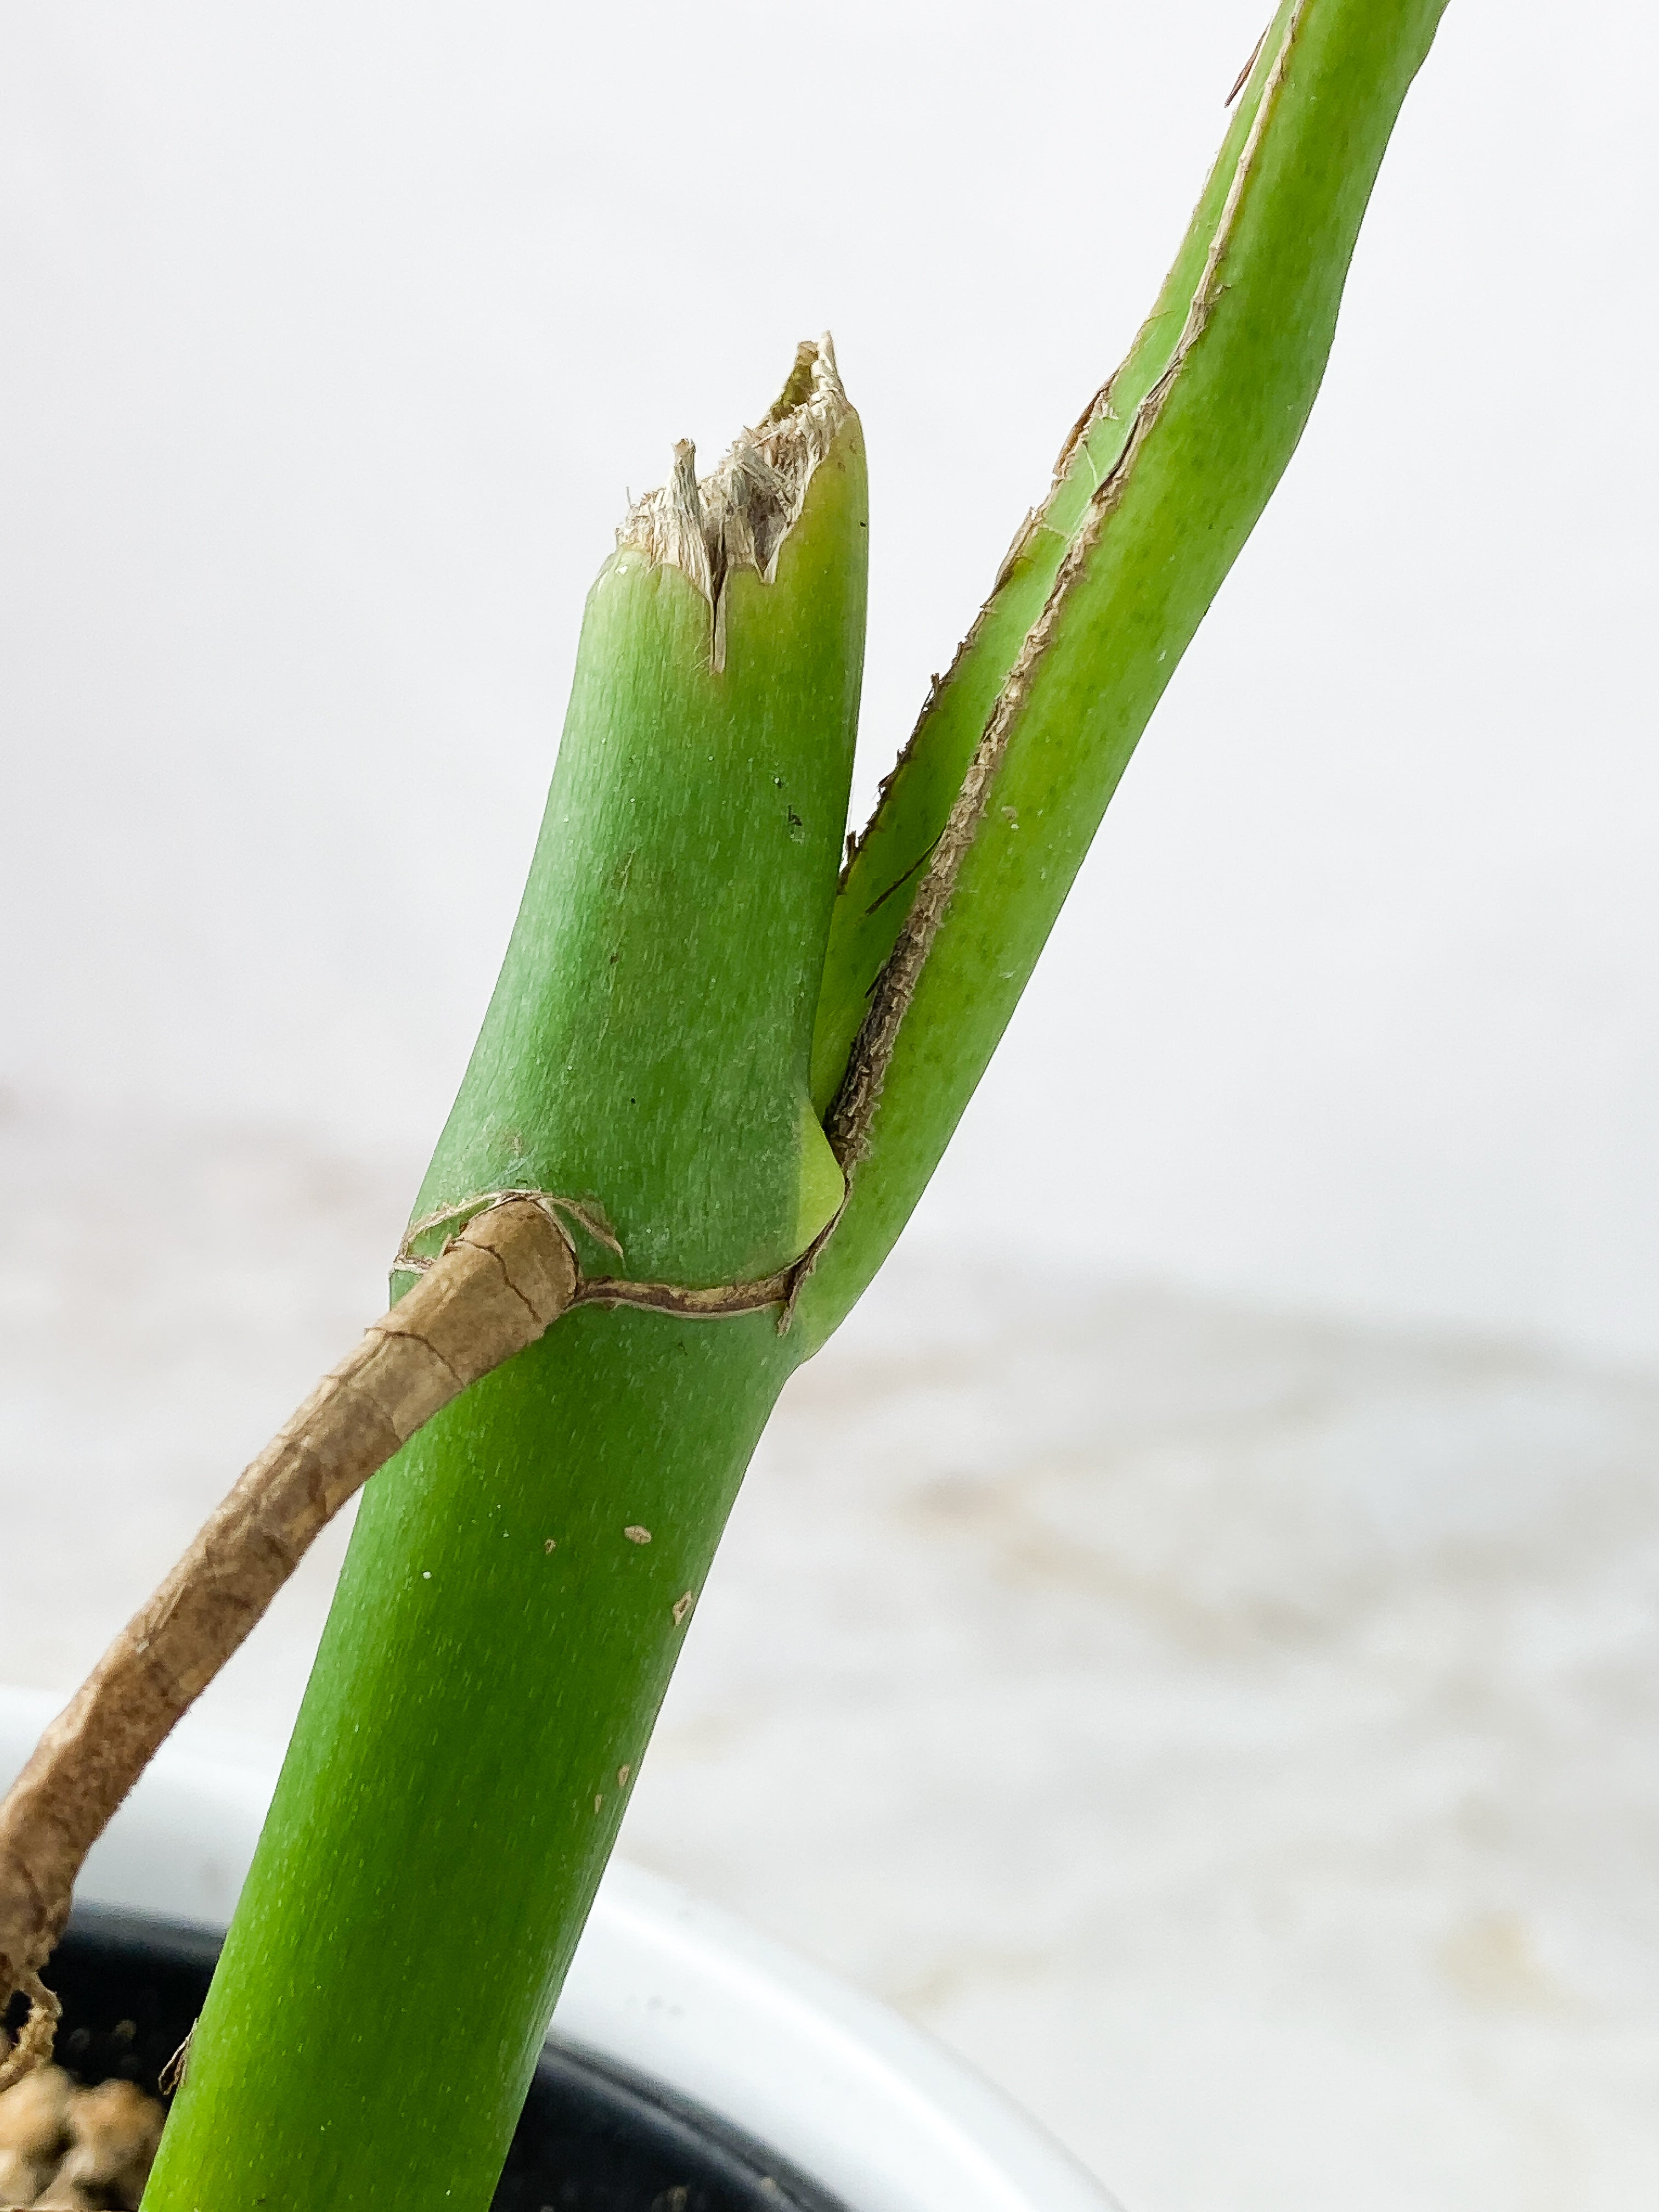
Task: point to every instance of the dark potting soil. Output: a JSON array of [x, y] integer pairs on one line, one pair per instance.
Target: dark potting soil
[[594, 2137]]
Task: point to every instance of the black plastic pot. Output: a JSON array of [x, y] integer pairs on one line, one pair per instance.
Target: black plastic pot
[[592, 2138]]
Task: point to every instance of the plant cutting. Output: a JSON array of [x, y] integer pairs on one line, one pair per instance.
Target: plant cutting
[[717, 1072]]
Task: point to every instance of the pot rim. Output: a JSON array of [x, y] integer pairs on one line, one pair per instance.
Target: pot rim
[[664, 1985]]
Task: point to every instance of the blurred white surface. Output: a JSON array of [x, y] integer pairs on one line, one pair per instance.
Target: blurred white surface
[[1235, 1734], [335, 335]]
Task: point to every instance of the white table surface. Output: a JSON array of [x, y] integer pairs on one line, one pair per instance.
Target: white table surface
[[1236, 1733]]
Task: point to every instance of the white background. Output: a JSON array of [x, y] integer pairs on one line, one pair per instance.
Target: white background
[[335, 335], [1233, 1728]]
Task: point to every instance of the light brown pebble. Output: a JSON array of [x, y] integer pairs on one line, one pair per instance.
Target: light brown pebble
[[116, 2128], [34, 2112], [637, 1535], [33, 2133], [65, 2150]]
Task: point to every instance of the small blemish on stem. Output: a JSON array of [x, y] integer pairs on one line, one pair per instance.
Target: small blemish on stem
[[551, 1545], [637, 1535], [682, 1606], [623, 1773]]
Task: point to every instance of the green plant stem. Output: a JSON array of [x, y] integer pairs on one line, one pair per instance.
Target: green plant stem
[[1103, 594], [455, 1780], [883, 876], [501, 1641]]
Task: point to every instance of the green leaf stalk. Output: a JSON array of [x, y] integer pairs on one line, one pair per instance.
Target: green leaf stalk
[[983, 824], [521, 1577]]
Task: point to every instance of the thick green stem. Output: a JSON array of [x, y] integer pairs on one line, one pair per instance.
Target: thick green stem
[[521, 1576]]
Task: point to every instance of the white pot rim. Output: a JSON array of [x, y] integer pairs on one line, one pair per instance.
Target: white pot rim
[[835, 2083]]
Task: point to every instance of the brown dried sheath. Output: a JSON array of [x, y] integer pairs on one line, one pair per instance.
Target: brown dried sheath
[[506, 1277]]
